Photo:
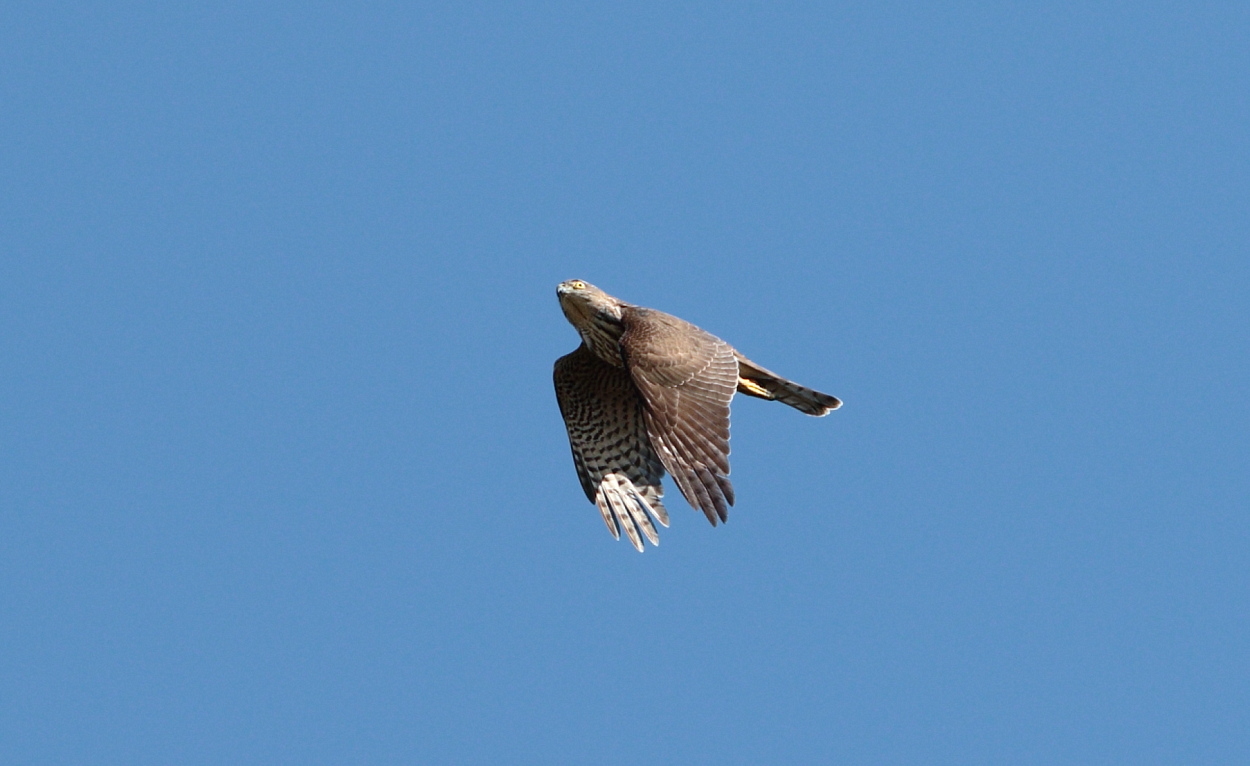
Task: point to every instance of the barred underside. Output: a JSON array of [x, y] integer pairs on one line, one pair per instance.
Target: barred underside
[[615, 462]]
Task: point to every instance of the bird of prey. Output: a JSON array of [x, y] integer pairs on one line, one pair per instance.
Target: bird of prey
[[647, 392]]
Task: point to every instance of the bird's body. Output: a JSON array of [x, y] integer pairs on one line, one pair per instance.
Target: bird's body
[[646, 392]]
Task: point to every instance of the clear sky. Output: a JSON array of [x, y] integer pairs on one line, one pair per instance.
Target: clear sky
[[282, 477]]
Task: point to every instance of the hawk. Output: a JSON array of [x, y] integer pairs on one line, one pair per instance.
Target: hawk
[[647, 392]]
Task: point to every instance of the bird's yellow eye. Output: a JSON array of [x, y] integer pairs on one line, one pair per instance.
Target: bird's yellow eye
[[577, 284]]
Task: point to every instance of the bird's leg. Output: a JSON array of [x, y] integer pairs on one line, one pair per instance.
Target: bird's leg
[[748, 386]]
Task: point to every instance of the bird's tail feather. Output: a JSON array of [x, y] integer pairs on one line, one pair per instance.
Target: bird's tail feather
[[754, 380]]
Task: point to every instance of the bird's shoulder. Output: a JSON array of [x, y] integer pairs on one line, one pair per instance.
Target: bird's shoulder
[[666, 349], [581, 371], [578, 358]]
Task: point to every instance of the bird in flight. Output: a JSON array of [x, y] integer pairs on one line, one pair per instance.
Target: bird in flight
[[647, 392]]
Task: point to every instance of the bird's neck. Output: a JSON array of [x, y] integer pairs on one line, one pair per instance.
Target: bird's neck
[[602, 335]]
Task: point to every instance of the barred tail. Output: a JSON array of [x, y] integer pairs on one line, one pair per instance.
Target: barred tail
[[754, 380]]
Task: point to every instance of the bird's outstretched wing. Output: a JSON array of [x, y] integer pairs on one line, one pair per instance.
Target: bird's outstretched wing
[[618, 468], [686, 377]]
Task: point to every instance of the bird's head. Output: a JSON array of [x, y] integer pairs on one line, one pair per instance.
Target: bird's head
[[596, 315], [584, 304]]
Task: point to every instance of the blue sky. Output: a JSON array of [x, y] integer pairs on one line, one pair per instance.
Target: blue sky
[[282, 476]]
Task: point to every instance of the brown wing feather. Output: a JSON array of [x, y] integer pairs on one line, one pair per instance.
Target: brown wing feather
[[612, 452], [687, 378]]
